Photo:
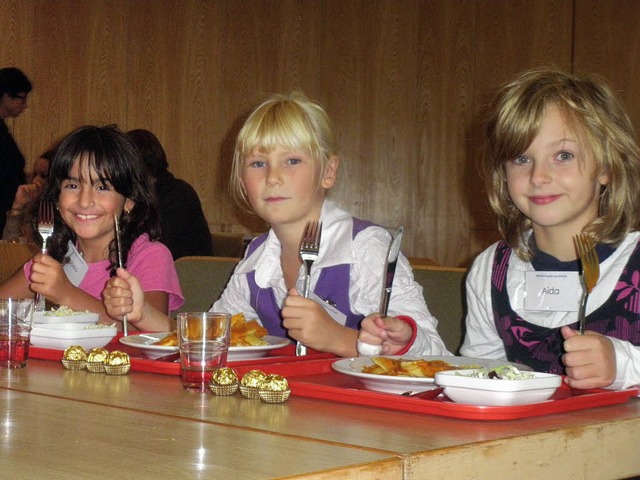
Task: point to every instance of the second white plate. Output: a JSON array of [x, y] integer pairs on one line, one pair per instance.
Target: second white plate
[[391, 384]]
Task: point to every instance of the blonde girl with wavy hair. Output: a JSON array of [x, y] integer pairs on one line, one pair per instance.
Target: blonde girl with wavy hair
[[561, 159]]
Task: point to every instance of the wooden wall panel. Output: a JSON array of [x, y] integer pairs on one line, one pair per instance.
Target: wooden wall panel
[[509, 38], [405, 82], [609, 47]]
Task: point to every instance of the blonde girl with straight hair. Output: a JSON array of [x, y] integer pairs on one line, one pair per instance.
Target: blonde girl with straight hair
[[284, 164]]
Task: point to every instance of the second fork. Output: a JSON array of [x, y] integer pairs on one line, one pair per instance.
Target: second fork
[[309, 249]]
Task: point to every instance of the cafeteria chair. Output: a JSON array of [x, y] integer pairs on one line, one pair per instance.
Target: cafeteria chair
[[202, 280], [443, 289], [13, 256]]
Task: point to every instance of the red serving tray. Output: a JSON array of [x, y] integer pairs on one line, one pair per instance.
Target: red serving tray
[[316, 379], [142, 364]]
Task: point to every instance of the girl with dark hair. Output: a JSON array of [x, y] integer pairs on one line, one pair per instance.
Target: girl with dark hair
[[97, 175]]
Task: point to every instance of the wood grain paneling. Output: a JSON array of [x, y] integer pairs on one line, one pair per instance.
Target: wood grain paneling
[[406, 83]]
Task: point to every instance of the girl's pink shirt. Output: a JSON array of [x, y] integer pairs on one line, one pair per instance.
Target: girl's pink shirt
[[151, 262]]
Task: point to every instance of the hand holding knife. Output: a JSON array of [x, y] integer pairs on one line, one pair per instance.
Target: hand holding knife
[[387, 285], [125, 324]]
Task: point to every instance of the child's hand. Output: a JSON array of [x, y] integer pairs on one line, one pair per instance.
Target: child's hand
[[391, 333], [590, 359], [310, 324], [48, 279], [123, 295]]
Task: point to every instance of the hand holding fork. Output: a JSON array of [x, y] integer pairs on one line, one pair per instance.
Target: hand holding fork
[[45, 229], [590, 272], [309, 249]]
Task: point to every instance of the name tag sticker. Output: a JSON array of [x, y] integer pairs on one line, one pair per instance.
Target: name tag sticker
[[552, 291], [76, 268]]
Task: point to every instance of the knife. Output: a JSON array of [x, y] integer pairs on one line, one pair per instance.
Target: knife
[[366, 349], [125, 324], [390, 270]]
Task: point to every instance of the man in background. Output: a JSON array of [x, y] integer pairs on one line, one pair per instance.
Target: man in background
[[184, 227], [14, 88]]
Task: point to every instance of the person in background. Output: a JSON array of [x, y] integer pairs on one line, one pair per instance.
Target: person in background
[[19, 226], [284, 164], [14, 88], [561, 160], [184, 227], [96, 175]]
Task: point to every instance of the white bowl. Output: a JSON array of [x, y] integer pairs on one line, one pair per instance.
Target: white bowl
[[62, 335], [78, 317], [461, 388]]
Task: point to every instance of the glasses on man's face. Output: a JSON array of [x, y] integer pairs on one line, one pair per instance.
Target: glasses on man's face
[[20, 96]]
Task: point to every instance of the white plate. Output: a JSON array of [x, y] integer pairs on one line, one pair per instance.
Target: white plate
[[390, 384], [461, 388], [145, 341], [80, 317], [62, 335], [246, 353]]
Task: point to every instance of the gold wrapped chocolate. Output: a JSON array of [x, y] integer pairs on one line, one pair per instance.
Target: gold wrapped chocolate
[[224, 376], [117, 358], [117, 363], [253, 378], [275, 383], [274, 389], [75, 352], [97, 355]]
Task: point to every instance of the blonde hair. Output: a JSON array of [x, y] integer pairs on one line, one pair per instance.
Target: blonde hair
[[604, 129], [293, 122]]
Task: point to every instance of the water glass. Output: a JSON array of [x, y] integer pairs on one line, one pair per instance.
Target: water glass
[[16, 321], [203, 339]]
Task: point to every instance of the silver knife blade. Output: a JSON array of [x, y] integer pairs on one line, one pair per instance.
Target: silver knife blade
[[390, 270], [125, 323]]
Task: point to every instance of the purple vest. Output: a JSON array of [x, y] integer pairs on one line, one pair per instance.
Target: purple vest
[[332, 286], [541, 348]]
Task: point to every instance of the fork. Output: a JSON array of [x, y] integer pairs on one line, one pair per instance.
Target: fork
[[590, 272], [45, 229], [309, 248]]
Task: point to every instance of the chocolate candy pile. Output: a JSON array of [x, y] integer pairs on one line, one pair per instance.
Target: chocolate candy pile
[[97, 360], [254, 384]]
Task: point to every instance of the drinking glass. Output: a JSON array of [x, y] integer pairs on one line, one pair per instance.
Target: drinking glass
[[16, 320], [203, 339]]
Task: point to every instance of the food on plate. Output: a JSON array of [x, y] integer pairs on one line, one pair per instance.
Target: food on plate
[[243, 333], [117, 363], [274, 389], [224, 381], [504, 372], [74, 358], [170, 340], [407, 368], [64, 311], [246, 333]]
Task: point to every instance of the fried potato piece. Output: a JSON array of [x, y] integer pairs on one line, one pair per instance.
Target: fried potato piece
[[246, 333], [243, 333], [170, 340], [407, 368]]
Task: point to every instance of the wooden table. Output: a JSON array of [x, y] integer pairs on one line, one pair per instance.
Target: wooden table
[[64, 424]]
